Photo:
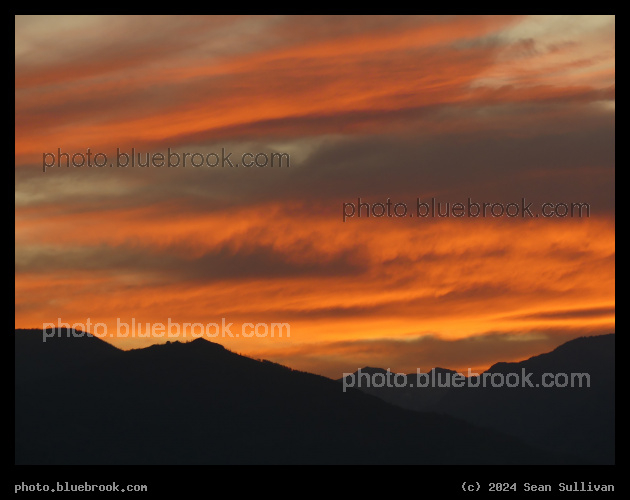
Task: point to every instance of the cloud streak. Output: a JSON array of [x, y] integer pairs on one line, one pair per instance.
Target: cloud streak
[[495, 108]]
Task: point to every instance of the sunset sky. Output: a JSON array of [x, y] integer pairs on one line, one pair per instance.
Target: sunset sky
[[489, 108]]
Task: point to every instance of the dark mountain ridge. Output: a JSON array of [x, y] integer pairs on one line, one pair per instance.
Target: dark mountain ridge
[[573, 420], [80, 401]]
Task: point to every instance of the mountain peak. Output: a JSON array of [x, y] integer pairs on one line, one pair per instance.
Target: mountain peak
[[199, 342], [204, 343]]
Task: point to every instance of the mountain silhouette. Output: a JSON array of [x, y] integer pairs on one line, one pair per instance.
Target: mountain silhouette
[[81, 401], [572, 420]]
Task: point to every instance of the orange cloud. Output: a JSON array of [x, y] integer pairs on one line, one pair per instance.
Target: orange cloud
[[493, 107]]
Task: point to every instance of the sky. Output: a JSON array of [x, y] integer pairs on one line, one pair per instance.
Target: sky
[[491, 108]]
